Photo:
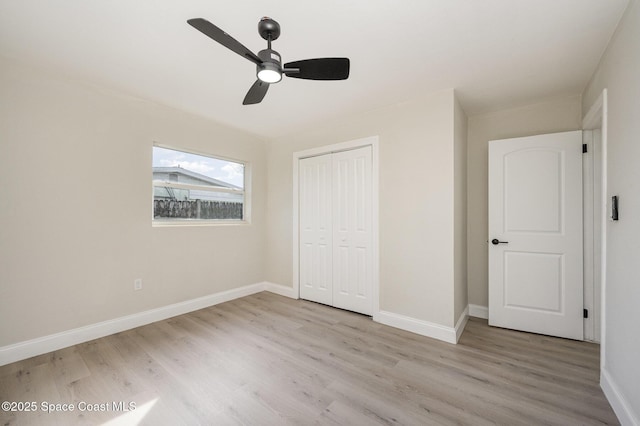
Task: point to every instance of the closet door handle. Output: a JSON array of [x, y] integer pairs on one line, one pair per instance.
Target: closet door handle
[[496, 241]]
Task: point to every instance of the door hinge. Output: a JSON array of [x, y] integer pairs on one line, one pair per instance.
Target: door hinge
[[584, 148], [585, 313]]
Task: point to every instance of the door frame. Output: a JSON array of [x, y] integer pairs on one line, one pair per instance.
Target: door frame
[[373, 142], [596, 119]]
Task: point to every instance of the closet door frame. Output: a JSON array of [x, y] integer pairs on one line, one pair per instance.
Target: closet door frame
[[371, 141]]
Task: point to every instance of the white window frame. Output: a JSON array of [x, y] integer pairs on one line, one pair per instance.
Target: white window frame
[[246, 204]]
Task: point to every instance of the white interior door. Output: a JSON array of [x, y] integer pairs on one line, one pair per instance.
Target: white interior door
[[535, 234], [336, 235], [316, 270], [352, 233]]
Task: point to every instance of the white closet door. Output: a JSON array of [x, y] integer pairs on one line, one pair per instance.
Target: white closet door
[[352, 233], [336, 236], [316, 229]]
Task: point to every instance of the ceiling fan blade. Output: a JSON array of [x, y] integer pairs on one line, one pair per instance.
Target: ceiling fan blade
[[210, 30], [255, 95], [319, 69]]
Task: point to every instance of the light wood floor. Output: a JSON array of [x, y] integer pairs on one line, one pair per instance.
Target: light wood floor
[[269, 360]]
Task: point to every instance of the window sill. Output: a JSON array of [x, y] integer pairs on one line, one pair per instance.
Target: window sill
[[190, 223]]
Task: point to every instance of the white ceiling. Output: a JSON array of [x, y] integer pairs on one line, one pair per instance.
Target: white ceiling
[[495, 53]]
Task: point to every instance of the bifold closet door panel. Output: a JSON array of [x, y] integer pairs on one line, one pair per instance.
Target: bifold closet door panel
[[352, 230], [315, 221]]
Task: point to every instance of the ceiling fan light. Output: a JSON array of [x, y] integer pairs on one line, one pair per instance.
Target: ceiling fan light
[[269, 76], [268, 71]]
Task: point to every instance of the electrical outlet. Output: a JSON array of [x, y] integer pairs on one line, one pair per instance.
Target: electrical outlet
[[137, 284]]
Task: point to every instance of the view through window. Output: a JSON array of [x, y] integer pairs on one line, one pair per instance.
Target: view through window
[[192, 187]]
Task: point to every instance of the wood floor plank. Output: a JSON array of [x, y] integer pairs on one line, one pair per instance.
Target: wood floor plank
[[269, 360]]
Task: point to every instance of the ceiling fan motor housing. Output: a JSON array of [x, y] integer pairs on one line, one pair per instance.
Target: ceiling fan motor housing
[[270, 61], [270, 56]]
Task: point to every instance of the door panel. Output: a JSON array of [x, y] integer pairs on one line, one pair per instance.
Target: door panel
[[353, 267], [316, 254], [539, 291], [533, 186], [535, 211]]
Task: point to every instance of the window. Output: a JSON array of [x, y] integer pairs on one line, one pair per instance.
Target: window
[[193, 188]]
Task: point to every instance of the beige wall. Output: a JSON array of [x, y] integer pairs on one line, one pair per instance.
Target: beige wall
[[416, 202], [460, 210], [619, 73], [75, 208], [556, 115]]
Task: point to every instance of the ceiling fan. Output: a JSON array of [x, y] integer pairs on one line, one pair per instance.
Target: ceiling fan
[[269, 67]]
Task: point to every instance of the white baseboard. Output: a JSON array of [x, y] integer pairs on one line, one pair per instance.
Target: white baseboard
[[45, 344], [478, 311], [622, 408], [424, 328], [462, 322], [280, 289]]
